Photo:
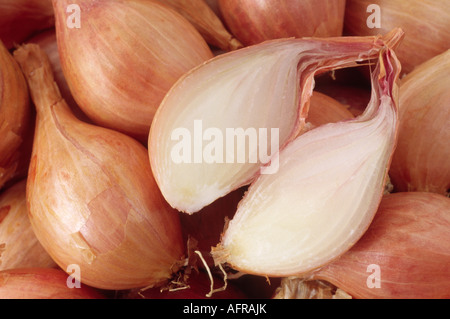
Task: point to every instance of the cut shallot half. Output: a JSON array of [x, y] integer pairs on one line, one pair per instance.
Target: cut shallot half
[[325, 194], [223, 120]]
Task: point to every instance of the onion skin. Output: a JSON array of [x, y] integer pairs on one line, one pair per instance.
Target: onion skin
[[253, 21], [15, 113], [157, 45], [408, 240], [426, 24], [421, 160], [91, 195], [41, 283], [19, 247], [47, 41], [22, 19]]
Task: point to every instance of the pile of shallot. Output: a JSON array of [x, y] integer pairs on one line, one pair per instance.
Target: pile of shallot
[[172, 149]]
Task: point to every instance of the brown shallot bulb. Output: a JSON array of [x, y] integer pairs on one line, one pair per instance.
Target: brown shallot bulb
[[92, 198], [19, 247], [404, 254], [123, 57], [206, 21], [15, 113], [254, 21], [421, 161]]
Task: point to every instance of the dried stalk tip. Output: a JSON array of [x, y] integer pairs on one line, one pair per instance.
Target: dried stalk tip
[[212, 290]]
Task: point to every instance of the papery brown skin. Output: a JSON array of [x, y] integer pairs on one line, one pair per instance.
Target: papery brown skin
[[42, 283], [205, 20], [254, 21], [47, 41], [14, 115], [421, 160], [21, 19], [19, 247], [408, 241], [91, 195], [120, 84], [426, 24]]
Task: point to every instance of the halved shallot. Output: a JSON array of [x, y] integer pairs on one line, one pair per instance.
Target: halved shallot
[[325, 194], [225, 118]]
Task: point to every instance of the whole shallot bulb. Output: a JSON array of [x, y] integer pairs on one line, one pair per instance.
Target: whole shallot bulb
[[19, 247], [92, 198], [404, 254], [421, 161], [254, 21], [15, 115], [124, 57]]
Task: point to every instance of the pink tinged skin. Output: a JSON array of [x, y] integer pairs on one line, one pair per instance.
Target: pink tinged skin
[[15, 114], [92, 198], [207, 22], [19, 247], [408, 241], [253, 21], [426, 24], [421, 160], [120, 84], [42, 283]]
